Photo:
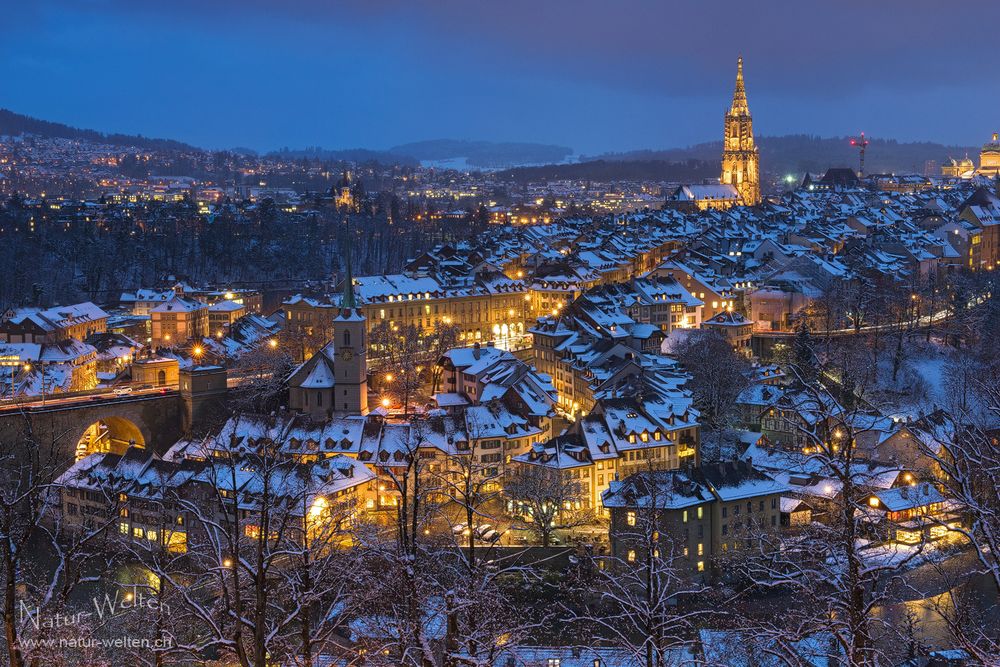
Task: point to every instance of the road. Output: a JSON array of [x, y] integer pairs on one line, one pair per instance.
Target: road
[[920, 323], [102, 396]]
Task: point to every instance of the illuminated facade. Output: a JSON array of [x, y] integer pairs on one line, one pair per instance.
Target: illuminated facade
[[963, 168], [488, 306], [989, 162], [989, 158], [740, 156], [177, 321]]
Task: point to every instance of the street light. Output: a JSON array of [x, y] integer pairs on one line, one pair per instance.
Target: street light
[[273, 343]]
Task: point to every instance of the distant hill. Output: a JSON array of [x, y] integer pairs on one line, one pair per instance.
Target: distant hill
[[798, 153], [617, 170], [359, 155], [14, 124], [484, 154]]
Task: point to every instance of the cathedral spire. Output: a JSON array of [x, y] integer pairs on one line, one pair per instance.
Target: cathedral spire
[[740, 158], [739, 105]]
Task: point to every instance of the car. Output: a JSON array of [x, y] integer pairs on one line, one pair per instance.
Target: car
[[123, 391], [483, 529], [490, 536], [459, 528]]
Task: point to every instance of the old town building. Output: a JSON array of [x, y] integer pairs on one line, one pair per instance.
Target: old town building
[[699, 513]]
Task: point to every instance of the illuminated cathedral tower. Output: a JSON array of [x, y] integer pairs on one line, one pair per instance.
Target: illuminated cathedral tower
[[740, 157]]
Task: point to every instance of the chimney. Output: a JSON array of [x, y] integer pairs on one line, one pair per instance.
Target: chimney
[[490, 344], [905, 493], [475, 351]]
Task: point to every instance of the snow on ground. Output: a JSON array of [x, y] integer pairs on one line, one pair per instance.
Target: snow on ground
[[932, 369], [908, 555], [919, 387]]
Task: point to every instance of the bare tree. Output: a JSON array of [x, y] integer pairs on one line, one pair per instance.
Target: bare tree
[[31, 525], [718, 375], [267, 575], [545, 500], [398, 360], [824, 566], [260, 376], [638, 596]]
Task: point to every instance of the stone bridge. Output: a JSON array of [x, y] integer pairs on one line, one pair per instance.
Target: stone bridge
[[99, 425], [79, 425]]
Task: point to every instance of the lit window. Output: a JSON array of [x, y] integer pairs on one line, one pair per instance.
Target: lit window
[[684, 516], [701, 548], [631, 556], [630, 518], [701, 512], [701, 566]]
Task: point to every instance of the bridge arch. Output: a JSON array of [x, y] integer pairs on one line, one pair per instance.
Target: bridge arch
[[109, 434]]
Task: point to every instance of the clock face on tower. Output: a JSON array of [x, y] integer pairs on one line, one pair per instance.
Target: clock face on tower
[[347, 354]]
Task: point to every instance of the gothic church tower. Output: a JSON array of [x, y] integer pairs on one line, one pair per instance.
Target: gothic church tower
[[350, 396], [740, 157]]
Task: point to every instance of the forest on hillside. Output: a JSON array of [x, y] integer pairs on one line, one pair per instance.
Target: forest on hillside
[[799, 153], [14, 124]]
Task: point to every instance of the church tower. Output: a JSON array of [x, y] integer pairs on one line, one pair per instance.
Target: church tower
[[351, 349], [740, 157]]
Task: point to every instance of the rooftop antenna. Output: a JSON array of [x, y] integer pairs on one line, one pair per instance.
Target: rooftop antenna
[[860, 143]]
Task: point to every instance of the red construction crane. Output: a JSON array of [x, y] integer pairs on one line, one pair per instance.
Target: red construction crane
[[860, 143]]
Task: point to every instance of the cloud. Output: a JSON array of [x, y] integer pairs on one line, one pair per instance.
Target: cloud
[[596, 75], [817, 48]]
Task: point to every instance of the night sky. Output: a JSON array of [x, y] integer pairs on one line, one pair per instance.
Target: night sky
[[596, 76]]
